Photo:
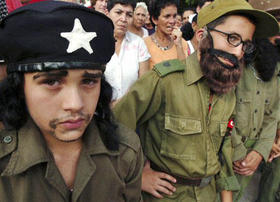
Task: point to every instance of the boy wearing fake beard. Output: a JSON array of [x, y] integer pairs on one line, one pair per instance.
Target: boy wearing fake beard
[[257, 111], [257, 114], [183, 111]]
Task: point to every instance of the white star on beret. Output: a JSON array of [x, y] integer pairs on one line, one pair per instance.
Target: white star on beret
[[78, 38]]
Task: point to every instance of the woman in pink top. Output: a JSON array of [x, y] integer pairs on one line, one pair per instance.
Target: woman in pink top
[[166, 43]]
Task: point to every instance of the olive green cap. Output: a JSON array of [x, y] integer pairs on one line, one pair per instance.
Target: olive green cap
[[266, 24]]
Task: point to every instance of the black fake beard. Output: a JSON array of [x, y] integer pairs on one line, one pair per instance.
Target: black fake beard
[[221, 78], [266, 58]]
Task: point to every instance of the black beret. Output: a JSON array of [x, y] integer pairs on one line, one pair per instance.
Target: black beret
[[56, 35]]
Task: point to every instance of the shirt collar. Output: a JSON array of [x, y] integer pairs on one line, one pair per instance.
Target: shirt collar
[[32, 148], [128, 36], [193, 71]]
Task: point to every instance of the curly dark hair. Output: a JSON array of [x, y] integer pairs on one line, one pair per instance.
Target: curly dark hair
[[155, 7], [14, 113], [112, 3]]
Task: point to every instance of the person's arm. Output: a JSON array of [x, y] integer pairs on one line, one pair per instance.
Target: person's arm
[[178, 42], [275, 150], [144, 58], [133, 179], [140, 103], [226, 196], [157, 183], [226, 179], [134, 109], [143, 68]]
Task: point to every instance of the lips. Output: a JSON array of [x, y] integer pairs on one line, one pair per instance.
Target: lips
[[72, 124], [226, 61]]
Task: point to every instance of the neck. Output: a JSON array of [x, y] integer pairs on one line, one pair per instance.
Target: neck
[[162, 37], [133, 28], [119, 37]]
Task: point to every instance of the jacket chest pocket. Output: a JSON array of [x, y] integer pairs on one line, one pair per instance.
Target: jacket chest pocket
[[180, 137], [243, 113]]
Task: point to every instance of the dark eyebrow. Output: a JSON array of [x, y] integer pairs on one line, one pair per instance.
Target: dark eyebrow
[[51, 74], [92, 75]]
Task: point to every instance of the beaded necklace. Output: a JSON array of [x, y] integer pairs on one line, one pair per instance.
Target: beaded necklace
[[159, 46]]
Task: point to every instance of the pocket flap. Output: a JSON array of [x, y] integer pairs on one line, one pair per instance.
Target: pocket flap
[[182, 125]]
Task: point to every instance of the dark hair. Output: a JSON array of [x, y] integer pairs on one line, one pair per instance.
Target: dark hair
[[155, 7], [222, 19], [112, 3], [187, 31], [14, 113], [189, 9], [202, 2]]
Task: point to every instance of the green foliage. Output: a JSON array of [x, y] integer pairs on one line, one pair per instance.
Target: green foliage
[[190, 2]]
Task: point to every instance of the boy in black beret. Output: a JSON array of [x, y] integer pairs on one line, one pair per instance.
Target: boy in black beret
[[61, 142]]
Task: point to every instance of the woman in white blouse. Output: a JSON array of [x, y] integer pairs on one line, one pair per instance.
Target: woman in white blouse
[[131, 57]]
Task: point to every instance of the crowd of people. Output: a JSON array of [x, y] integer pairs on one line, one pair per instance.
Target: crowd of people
[[118, 100]]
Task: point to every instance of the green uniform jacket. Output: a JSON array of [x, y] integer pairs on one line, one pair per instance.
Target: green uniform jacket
[[28, 171], [170, 106], [257, 114]]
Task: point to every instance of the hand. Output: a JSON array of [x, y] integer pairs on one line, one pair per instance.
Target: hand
[[176, 35], [275, 150], [226, 196], [249, 165], [157, 182]]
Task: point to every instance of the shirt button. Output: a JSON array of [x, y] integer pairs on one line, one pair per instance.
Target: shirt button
[[258, 92], [7, 139], [256, 110]]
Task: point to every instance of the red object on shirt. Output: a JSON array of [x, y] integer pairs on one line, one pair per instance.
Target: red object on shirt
[[230, 124]]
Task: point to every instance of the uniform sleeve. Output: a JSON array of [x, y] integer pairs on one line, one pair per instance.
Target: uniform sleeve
[[226, 180], [270, 124], [140, 103], [143, 53], [240, 150], [134, 178]]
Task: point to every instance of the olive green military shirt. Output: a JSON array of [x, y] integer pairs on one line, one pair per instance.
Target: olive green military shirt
[[28, 171], [170, 106], [257, 114]]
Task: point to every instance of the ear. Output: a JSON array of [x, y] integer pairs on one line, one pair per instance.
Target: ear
[[154, 21], [199, 34]]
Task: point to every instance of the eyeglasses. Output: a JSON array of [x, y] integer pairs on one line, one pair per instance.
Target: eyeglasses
[[235, 40]]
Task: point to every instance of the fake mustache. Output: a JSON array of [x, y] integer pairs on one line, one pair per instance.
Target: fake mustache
[[230, 57]]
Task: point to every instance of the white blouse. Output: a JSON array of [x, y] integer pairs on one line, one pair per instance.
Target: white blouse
[[122, 70]]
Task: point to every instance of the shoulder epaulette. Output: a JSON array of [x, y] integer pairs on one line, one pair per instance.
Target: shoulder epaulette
[[169, 66]]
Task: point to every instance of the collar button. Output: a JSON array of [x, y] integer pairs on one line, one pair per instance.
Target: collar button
[[7, 139]]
